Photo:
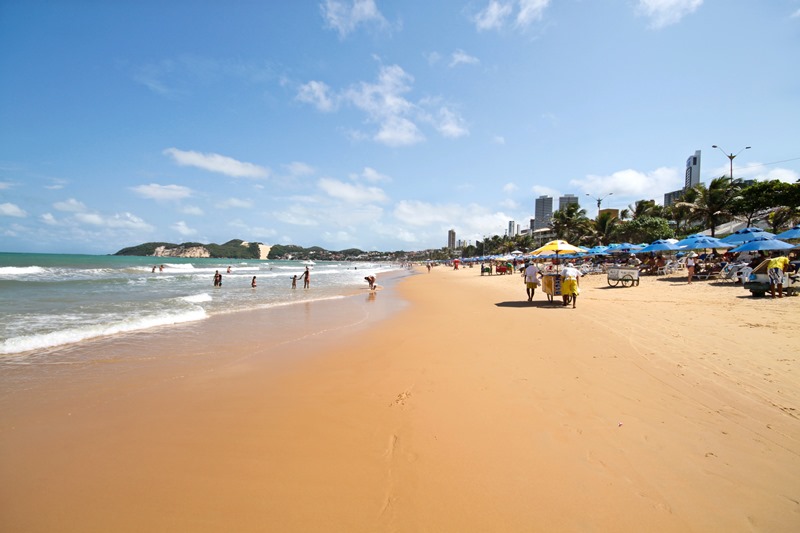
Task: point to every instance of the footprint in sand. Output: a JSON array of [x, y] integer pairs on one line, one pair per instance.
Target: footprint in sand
[[401, 398]]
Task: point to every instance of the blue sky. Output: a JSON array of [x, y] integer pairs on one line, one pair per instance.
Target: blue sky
[[374, 124]]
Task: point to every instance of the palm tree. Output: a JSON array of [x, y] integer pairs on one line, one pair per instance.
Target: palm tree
[[714, 204], [571, 224], [645, 208], [604, 226]]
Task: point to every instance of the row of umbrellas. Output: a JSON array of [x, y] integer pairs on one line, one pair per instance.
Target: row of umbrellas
[[744, 240]]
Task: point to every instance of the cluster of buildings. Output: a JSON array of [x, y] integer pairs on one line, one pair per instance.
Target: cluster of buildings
[[543, 207]]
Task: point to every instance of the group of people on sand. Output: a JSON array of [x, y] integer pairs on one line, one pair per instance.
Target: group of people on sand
[[570, 286]]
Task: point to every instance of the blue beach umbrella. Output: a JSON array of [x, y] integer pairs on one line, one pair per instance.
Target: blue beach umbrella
[[660, 245], [793, 233], [683, 242], [746, 234], [704, 243], [597, 250], [763, 243]]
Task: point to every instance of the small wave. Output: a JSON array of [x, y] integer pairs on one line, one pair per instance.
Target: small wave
[[197, 298], [20, 271], [68, 336]]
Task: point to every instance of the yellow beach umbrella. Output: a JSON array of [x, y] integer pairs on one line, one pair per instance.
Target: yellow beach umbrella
[[557, 247]]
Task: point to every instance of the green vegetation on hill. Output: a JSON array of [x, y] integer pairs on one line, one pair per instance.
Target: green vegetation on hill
[[233, 249]]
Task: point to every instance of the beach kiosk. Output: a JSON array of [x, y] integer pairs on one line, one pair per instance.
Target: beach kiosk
[[551, 281], [551, 285]]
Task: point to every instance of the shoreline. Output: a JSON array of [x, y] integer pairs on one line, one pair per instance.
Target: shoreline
[[466, 409]]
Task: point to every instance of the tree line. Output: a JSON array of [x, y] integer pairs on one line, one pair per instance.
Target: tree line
[[699, 208]]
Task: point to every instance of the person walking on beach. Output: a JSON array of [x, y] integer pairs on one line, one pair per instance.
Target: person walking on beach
[[777, 265], [306, 278], [253, 283], [531, 277], [217, 279], [569, 284], [690, 264], [294, 281]]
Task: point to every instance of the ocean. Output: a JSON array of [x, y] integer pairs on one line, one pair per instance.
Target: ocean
[[50, 300]]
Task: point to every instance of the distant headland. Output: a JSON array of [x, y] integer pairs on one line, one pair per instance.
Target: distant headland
[[239, 249]]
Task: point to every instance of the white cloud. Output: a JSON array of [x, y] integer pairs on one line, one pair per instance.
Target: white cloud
[[497, 12], [510, 204], [183, 229], [12, 210], [352, 193], [398, 131], [795, 15], [460, 57], [373, 176], [235, 203], [756, 171], [297, 215], [217, 163], [499, 139], [531, 11], [155, 191], [4, 185], [493, 17], [545, 191], [71, 206], [344, 17], [116, 221], [49, 219], [510, 188], [317, 94], [300, 169], [632, 183], [451, 124], [385, 104], [471, 222], [191, 210], [432, 57], [666, 12]]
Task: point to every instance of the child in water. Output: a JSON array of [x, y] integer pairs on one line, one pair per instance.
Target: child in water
[[294, 281]]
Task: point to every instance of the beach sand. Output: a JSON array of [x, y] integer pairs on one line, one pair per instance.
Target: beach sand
[[445, 404]]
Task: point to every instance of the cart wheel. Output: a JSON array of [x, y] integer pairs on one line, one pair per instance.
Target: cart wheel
[[616, 282], [627, 280], [636, 282]]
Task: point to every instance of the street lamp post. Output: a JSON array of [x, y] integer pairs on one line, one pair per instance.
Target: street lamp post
[[600, 198], [730, 156]]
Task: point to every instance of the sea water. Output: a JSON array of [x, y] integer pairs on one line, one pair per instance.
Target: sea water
[[49, 300]]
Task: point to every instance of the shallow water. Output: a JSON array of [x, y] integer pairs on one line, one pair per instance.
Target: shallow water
[[50, 300]]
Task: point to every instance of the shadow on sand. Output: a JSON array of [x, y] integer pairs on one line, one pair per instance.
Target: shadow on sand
[[535, 303]]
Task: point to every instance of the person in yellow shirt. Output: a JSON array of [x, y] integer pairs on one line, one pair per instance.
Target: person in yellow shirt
[[775, 269]]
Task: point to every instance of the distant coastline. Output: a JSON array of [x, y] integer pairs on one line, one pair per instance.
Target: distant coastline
[[239, 249]]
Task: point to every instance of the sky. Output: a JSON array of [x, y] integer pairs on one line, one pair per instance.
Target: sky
[[374, 124]]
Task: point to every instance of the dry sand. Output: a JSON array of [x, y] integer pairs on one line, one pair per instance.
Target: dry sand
[[662, 407]]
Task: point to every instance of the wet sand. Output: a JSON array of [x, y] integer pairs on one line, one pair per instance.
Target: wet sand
[[662, 407]]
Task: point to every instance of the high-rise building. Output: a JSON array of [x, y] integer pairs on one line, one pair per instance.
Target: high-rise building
[[691, 178], [567, 199], [451, 239], [543, 212], [692, 171], [512, 228]]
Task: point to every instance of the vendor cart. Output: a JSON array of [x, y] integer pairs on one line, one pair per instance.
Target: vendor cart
[[551, 285], [627, 276]]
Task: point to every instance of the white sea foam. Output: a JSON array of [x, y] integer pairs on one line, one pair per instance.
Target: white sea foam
[[67, 336], [20, 271], [197, 298]]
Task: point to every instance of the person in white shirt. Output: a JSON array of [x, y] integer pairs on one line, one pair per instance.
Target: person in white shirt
[[569, 284], [531, 275]]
